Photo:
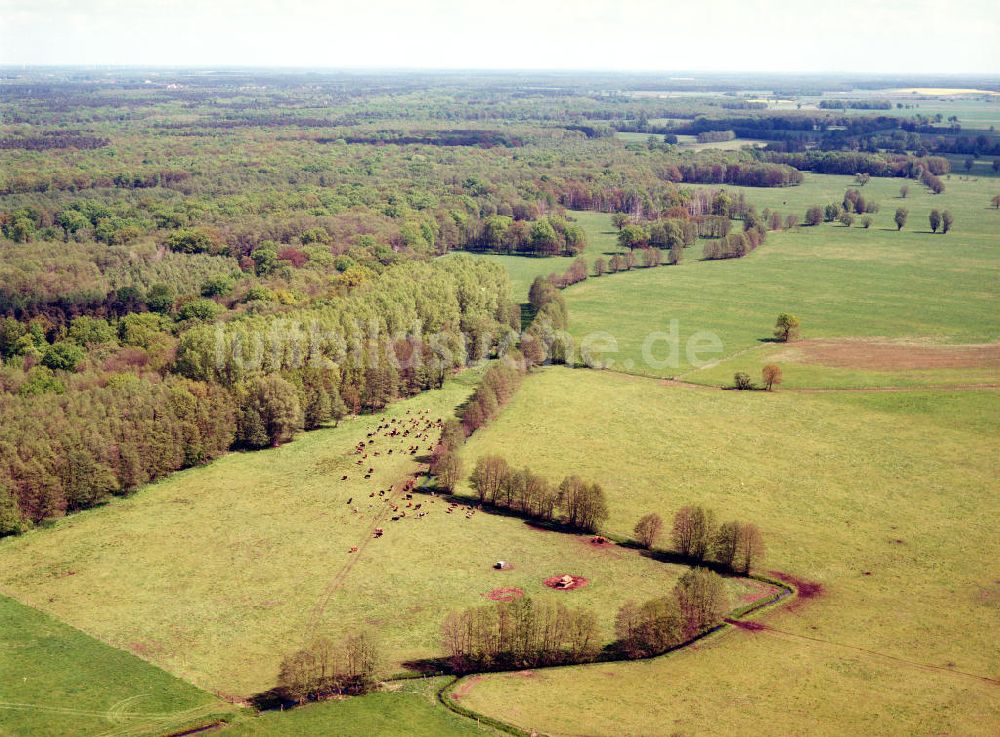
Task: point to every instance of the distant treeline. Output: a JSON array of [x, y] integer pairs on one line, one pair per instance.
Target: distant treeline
[[737, 173], [53, 139], [855, 105], [470, 137], [846, 162]]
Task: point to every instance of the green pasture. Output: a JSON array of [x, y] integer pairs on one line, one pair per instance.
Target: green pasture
[[887, 500], [56, 681]]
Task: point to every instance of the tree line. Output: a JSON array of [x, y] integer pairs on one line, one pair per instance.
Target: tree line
[[697, 536], [325, 668], [575, 502], [532, 633]]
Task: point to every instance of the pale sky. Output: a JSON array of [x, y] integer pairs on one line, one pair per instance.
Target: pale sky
[[880, 36]]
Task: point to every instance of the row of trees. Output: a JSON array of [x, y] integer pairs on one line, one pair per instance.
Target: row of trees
[[734, 245], [524, 633], [695, 534], [326, 668], [697, 603], [577, 503], [737, 173], [548, 236], [530, 633]]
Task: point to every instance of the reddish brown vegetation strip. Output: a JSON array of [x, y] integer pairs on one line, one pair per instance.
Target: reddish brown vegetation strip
[[505, 593], [868, 355], [555, 582], [805, 589], [747, 624]]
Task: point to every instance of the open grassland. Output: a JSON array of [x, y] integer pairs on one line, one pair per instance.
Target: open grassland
[[55, 680], [407, 709], [842, 283], [887, 501], [217, 572]]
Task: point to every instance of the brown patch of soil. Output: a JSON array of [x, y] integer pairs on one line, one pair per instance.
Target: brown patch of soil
[[746, 624], [599, 542], [805, 589], [465, 687], [875, 356], [554, 583], [505, 593]]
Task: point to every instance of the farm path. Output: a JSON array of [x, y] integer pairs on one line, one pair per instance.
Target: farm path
[[380, 516]]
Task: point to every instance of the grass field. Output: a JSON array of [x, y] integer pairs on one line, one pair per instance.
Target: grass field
[[55, 680], [887, 500], [842, 283], [409, 709], [217, 572]]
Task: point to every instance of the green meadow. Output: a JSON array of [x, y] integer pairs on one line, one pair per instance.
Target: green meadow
[[218, 572], [56, 681], [886, 500], [404, 709], [841, 282]]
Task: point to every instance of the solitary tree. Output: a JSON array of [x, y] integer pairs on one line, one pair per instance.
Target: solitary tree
[[647, 529], [742, 381], [786, 328], [814, 215], [996, 165], [935, 220], [904, 191], [866, 222], [900, 217], [996, 201], [846, 219], [619, 219], [600, 266], [946, 221], [771, 375], [969, 163]]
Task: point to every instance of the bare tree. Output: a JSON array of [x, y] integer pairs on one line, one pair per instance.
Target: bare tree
[[647, 529], [693, 530], [750, 547]]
